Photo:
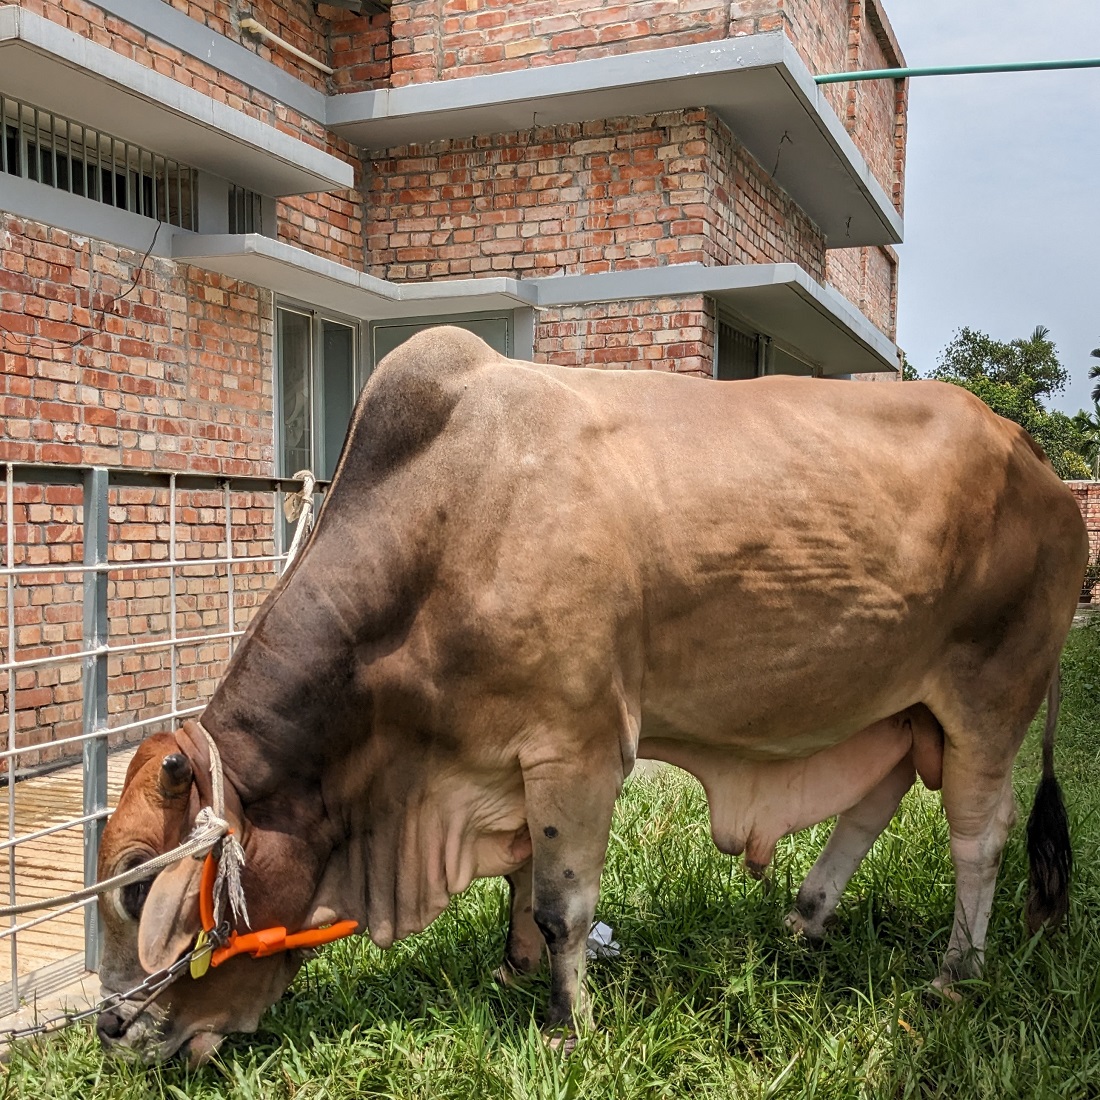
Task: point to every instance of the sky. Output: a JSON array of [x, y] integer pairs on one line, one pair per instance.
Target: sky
[[1002, 191]]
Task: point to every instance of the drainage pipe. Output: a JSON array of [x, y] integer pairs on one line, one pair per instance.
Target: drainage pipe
[[258, 28], [957, 70]]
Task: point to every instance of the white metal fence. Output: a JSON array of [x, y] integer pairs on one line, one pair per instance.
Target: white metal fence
[[169, 568]]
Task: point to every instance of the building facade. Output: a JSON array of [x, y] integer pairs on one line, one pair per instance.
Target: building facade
[[216, 216]]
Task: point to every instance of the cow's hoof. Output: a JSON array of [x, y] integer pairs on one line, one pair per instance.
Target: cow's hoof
[[758, 871], [802, 927], [507, 974], [564, 1042], [943, 991]]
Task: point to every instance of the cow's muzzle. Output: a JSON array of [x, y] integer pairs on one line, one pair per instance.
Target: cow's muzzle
[[134, 1030], [140, 1033]]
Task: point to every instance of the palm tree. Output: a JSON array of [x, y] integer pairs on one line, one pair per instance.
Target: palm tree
[[1088, 424], [1094, 374]]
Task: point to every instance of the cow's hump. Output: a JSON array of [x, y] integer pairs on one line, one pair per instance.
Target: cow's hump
[[411, 395]]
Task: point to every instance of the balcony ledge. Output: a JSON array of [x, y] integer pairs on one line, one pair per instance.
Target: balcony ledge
[[781, 300], [757, 84], [44, 63], [299, 274]]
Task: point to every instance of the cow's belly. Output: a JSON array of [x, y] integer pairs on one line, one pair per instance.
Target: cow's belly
[[754, 802]]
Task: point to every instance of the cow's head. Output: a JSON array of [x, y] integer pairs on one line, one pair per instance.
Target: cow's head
[[149, 925]]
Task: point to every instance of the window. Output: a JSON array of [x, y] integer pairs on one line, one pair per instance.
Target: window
[[318, 381], [783, 362], [742, 354], [737, 354], [245, 210], [41, 146]]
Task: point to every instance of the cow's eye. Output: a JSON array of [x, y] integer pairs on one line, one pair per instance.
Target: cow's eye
[[134, 895]]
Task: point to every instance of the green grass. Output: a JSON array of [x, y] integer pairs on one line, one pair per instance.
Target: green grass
[[709, 997]]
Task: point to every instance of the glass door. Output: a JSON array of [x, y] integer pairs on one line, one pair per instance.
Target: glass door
[[318, 383]]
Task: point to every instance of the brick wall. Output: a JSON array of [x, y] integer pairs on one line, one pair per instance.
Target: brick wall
[[868, 278], [435, 40], [176, 374], [584, 197], [360, 50], [588, 197], [1088, 497], [673, 334], [329, 225], [768, 226]]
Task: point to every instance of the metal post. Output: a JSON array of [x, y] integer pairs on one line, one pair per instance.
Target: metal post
[[9, 524], [959, 70], [95, 690], [278, 526], [229, 565], [174, 657]]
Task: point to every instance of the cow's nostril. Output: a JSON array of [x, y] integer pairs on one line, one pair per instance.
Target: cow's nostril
[[109, 1025]]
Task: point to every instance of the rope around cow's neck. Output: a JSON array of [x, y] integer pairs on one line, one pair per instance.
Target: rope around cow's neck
[[209, 828], [231, 859]]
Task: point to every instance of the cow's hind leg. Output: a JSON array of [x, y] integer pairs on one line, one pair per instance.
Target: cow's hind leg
[[525, 946], [569, 807], [981, 809], [851, 839], [983, 730]]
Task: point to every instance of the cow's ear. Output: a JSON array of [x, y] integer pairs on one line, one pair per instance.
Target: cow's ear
[[170, 918]]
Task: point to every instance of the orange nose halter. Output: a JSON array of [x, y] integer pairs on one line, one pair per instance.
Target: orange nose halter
[[267, 941]]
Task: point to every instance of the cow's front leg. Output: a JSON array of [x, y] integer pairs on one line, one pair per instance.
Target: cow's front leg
[[569, 814], [524, 949]]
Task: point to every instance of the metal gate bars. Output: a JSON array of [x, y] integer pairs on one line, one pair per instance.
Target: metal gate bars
[[166, 569]]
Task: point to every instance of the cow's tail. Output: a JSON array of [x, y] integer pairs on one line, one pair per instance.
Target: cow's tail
[[1048, 848]]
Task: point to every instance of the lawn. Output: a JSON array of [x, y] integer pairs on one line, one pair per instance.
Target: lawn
[[709, 997]]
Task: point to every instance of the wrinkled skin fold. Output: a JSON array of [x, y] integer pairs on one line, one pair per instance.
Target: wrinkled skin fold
[[807, 593]]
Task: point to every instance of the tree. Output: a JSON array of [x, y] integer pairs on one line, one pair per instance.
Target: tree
[[909, 373], [1088, 425], [1094, 374], [1013, 379], [1029, 366]]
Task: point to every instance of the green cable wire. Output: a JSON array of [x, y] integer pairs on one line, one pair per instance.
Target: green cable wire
[[958, 70]]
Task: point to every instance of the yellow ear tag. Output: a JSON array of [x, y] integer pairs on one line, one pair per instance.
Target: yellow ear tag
[[200, 961]]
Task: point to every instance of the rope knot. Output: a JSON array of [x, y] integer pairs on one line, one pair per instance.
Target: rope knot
[[207, 824]]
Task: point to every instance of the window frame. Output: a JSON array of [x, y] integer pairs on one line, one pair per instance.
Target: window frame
[[37, 145], [434, 320], [766, 347], [360, 373]]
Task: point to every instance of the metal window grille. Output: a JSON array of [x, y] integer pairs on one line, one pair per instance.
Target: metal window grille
[[737, 354], [58, 152], [245, 210], [123, 594]]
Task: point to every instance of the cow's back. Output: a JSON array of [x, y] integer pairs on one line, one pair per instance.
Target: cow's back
[[787, 556], [778, 558], [812, 549]]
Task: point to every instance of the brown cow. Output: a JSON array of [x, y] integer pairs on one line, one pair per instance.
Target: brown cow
[[803, 592]]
